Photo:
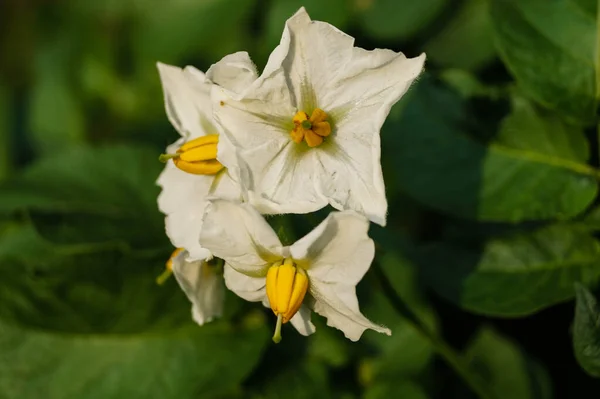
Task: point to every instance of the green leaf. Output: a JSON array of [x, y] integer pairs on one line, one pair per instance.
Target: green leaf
[[398, 20], [189, 362], [428, 152], [56, 118], [91, 195], [404, 389], [586, 331], [513, 276], [171, 32], [550, 48], [407, 352], [466, 41], [529, 128], [508, 371], [329, 346], [306, 380], [5, 142]]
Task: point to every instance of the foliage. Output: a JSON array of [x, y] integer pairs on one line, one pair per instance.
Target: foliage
[[491, 162]]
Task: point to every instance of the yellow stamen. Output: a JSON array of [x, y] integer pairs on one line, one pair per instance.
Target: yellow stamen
[[160, 280], [198, 156], [286, 287], [312, 129]]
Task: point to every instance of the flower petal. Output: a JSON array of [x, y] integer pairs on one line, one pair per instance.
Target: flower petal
[[359, 102], [183, 201], [235, 72], [364, 191], [338, 250], [338, 303], [202, 286], [187, 100], [238, 234], [317, 52], [301, 321], [249, 288]]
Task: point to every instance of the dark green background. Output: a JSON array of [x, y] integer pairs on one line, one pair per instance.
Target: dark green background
[[491, 168]]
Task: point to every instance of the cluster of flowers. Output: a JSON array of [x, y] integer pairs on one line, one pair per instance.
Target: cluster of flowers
[[299, 137]]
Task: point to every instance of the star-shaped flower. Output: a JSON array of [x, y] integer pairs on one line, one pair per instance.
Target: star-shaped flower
[[319, 272], [308, 127]]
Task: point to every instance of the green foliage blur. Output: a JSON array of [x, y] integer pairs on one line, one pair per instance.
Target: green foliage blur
[[491, 163]]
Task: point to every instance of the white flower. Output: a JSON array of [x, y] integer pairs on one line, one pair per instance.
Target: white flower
[[195, 162], [202, 283], [318, 272], [308, 127]]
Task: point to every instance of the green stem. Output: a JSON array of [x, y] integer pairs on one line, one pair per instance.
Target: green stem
[[452, 358]]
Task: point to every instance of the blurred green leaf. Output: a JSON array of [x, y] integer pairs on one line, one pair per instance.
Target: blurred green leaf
[[189, 362], [407, 352], [5, 141], [550, 47], [91, 195], [172, 31], [404, 389], [466, 41], [335, 12], [586, 331], [436, 163], [531, 129], [306, 380], [396, 19], [513, 276], [56, 116], [330, 346], [506, 368], [467, 85]]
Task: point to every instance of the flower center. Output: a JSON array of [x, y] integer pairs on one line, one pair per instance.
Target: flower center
[[312, 129], [286, 286], [198, 156]]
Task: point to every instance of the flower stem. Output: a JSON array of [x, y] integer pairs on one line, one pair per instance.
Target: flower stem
[[450, 356]]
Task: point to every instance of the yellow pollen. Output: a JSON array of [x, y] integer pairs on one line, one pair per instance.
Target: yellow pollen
[[198, 156], [286, 287], [312, 130], [160, 280]]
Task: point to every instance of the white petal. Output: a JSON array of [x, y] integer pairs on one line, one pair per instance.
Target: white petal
[[359, 101], [286, 182], [351, 178], [336, 255], [234, 72], [252, 289], [187, 100], [301, 321], [238, 234], [183, 200], [202, 286], [338, 250], [317, 52], [338, 303]]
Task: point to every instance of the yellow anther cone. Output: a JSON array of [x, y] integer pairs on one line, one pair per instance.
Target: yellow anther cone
[[286, 287], [198, 156]]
